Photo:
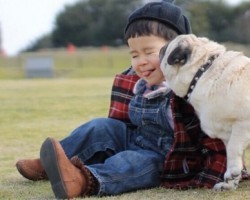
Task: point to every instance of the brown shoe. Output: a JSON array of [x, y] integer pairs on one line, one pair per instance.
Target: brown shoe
[[67, 180], [31, 169]]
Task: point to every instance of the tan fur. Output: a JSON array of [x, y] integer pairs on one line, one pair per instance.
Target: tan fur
[[221, 97]]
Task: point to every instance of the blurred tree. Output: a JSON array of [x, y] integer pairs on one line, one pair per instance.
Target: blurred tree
[[240, 30], [98, 22], [93, 22], [196, 11], [218, 20], [42, 42]]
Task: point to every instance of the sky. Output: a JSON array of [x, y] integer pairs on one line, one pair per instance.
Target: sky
[[24, 21]]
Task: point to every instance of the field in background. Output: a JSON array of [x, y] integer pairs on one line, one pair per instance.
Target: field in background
[[87, 62]]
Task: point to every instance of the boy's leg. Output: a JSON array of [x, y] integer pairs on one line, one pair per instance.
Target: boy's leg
[[101, 135], [125, 171], [128, 171], [68, 178], [97, 138]]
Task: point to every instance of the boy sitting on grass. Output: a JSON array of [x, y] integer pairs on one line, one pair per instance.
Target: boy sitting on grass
[[152, 138]]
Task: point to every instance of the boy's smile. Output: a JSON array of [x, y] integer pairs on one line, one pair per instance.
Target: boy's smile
[[144, 51]]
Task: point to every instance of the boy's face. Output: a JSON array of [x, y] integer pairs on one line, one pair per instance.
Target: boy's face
[[144, 51]]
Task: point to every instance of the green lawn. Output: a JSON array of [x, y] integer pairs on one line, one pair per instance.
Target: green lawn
[[32, 110]]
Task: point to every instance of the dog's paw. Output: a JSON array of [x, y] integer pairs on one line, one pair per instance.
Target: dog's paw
[[233, 173], [229, 184], [225, 186]]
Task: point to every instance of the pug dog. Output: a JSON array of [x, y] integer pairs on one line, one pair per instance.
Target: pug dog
[[216, 82]]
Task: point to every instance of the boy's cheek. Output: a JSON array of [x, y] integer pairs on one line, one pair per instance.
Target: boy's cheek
[[133, 63]]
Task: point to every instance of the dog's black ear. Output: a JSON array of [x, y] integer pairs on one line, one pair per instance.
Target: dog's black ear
[[179, 56], [162, 51]]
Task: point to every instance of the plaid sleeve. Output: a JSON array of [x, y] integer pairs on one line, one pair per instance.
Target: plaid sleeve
[[122, 91]]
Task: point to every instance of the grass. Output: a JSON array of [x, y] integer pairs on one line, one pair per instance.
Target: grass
[[32, 110]]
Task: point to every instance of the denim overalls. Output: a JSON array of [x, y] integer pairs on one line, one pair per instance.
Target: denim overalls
[[134, 158]]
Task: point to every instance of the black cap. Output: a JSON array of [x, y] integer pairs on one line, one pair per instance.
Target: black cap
[[165, 12]]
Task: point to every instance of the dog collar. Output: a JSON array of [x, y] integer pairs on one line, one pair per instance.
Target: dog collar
[[198, 74]]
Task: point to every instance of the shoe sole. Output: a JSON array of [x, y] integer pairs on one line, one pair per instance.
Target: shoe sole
[[49, 161]]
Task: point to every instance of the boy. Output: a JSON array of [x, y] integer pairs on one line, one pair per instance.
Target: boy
[[109, 156]]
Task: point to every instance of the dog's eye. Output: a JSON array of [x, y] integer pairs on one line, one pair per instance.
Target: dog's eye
[[179, 56]]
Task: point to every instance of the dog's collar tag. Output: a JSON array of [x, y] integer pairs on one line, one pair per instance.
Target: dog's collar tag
[[198, 74]]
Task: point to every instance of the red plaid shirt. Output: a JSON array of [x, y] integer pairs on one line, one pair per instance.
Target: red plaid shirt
[[195, 160]]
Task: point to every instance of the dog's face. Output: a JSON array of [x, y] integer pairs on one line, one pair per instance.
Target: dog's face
[[182, 57]]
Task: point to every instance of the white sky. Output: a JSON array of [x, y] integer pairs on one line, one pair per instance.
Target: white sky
[[23, 21]]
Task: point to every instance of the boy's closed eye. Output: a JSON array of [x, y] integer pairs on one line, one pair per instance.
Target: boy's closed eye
[[151, 51], [134, 55]]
